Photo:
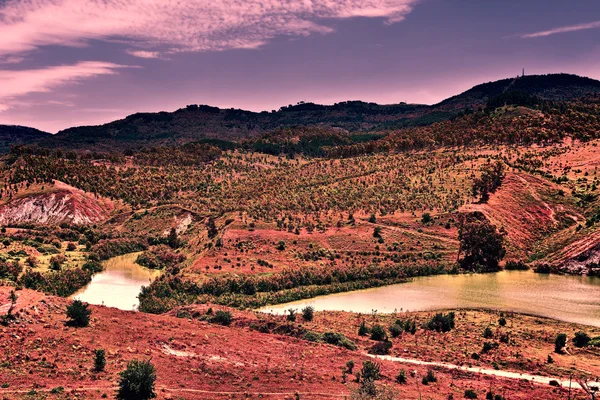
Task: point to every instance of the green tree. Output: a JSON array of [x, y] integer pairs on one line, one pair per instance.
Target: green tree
[[480, 244], [489, 181], [78, 314], [137, 381], [99, 360], [560, 342]]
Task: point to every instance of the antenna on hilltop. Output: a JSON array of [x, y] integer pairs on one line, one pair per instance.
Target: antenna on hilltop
[[523, 72]]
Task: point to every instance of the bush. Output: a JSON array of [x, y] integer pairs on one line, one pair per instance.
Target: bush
[[378, 333], [71, 246], [487, 333], [370, 371], [308, 313], [502, 321], [489, 346], [78, 314], [470, 394], [512, 265], [137, 381], [431, 378], [362, 329], [92, 267], [57, 261], [381, 348], [350, 366], [581, 339], [222, 318], [99, 360], [311, 336], [401, 377], [395, 330], [441, 322], [560, 342], [291, 316], [338, 339]]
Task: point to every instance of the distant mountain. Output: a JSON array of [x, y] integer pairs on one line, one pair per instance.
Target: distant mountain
[[196, 122], [16, 135], [554, 87], [201, 122]]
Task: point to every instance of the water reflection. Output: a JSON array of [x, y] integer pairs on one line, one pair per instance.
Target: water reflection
[[568, 298], [119, 284]]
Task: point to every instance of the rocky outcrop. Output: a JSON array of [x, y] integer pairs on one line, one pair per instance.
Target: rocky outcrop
[[61, 204]]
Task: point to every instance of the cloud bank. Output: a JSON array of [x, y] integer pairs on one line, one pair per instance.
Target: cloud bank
[[563, 29], [191, 25]]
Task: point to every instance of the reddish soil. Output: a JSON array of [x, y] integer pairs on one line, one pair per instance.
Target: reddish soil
[[198, 360]]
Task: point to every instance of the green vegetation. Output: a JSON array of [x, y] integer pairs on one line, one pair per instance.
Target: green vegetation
[[78, 314], [137, 381]]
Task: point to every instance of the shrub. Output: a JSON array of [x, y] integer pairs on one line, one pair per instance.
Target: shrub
[[99, 360], [71, 246], [470, 394], [487, 333], [362, 329], [338, 339], [560, 342], [370, 371], [581, 339], [515, 265], [502, 321], [57, 261], [291, 316], [395, 330], [349, 366], [308, 313], [311, 336], [92, 267], [489, 346], [78, 314], [401, 377], [137, 381], [221, 317], [431, 376], [441, 322], [426, 218], [381, 348], [378, 333]]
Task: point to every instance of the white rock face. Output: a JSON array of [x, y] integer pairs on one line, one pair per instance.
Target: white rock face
[[63, 205]]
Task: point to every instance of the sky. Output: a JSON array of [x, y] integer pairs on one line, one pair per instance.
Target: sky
[[67, 63]]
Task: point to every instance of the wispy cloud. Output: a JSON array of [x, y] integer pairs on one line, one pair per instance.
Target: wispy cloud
[[144, 53], [16, 84], [192, 25], [562, 29]]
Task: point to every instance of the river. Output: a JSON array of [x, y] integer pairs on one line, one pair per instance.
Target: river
[[119, 284], [567, 298]]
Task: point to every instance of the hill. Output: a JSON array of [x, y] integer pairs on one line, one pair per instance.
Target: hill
[[553, 87], [11, 135]]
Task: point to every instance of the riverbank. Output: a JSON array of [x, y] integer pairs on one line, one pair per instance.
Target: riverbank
[[260, 355]]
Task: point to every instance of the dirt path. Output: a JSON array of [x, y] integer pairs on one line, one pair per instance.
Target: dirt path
[[485, 371]]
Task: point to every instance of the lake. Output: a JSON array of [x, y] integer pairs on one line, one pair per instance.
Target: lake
[[119, 284], [567, 298]]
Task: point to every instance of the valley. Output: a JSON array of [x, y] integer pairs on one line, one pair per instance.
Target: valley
[[460, 238]]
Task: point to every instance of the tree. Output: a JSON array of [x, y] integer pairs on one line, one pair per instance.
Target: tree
[[99, 360], [581, 339], [78, 314], [308, 313], [480, 242], [378, 332], [491, 178], [560, 342], [173, 240], [137, 381]]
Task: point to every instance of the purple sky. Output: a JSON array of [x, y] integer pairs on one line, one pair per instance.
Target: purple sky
[[73, 62]]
